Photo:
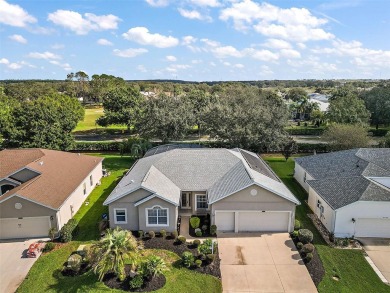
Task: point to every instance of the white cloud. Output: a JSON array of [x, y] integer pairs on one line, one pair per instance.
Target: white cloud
[[262, 55], [193, 14], [188, 40], [65, 66], [296, 24], [104, 42], [238, 65], [210, 43], [129, 53], [171, 58], [277, 44], [18, 38], [157, 3], [4, 61], [142, 36], [14, 15], [15, 66], [196, 61], [176, 67], [45, 55], [205, 3], [213, 64], [226, 51], [290, 53], [82, 25], [57, 46]]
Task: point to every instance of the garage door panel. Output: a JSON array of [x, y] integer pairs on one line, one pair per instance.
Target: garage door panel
[[24, 227], [372, 227], [224, 221], [263, 221]]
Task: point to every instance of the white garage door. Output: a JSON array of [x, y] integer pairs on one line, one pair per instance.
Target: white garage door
[[24, 228], [224, 221], [373, 228], [263, 221]]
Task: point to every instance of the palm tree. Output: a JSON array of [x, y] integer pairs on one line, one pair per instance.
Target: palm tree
[[111, 252], [153, 266]]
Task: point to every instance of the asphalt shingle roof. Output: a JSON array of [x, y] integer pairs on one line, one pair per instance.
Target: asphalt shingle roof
[[220, 172], [344, 177]]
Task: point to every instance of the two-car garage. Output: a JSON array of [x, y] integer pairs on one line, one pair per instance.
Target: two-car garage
[[27, 227], [372, 227], [253, 221]]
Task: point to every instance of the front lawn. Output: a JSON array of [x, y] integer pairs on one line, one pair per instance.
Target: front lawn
[[354, 273]]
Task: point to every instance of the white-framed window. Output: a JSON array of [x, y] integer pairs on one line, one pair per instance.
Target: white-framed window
[[304, 177], [120, 216], [91, 180], [157, 216], [201, 201], [84, 188]]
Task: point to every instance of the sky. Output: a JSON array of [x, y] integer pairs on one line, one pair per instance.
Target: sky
[[195, 40]]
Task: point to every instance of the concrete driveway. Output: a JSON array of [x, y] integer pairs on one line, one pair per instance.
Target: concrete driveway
[[252, 262], [14, 266], [378, 249]]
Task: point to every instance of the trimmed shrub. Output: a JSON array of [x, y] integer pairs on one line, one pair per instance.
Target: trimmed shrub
[[309, 257], [294, 234], [213, 230], [74, 262], [152, 266], [196, 242], [187, 259], [308, 248], [198, 263], [195, 222], [140, 233], [181, 239], [210, 257], [152, 234], [206, 247], [68, 231], [204, 227], [163, 233], [305, 236], [52, 233], [49, 247], [136, 282], [174, 234], [198, 233], [297, 225], [202, 256], [299, 245]]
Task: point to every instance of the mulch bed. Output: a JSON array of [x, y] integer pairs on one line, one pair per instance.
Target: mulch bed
[[315, 267], [171, 245], [111, 281], [204, 220]]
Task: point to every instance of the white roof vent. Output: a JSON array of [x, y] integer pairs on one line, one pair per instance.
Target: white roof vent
[[40, 163]]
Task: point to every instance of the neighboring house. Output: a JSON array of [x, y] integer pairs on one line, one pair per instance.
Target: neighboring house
[[349, 190], [236, 187], [40, 189]]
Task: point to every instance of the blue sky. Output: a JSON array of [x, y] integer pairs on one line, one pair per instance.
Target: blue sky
[[199, 40]]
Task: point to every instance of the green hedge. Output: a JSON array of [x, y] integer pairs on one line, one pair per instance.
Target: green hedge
[[97, 146], [378, 132], [69, 230]]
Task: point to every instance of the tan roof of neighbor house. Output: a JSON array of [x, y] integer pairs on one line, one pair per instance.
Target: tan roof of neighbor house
[[61, 173]]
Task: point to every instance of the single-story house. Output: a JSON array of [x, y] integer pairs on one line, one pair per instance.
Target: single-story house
[[41, 189], [235, 187], [349, 190]]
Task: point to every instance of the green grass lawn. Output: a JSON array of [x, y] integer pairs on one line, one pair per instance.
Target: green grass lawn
[[355, 273], [89, 123], [45, 275]]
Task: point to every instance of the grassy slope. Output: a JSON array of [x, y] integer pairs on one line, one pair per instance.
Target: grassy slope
[[45, 275], [89, 122], [355, 273]]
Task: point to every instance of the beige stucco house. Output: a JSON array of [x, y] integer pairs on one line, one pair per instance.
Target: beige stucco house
[[41, 189], [236, 187], [349, 191]]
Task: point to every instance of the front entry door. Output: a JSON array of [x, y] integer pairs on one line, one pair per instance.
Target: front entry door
[[186, 200]]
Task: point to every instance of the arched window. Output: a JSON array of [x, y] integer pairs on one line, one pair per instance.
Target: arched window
[[157, 216]]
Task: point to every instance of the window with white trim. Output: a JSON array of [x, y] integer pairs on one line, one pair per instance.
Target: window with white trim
[[91, 180], [157, 216], [120, 216], [201, 201], [304, 177], [84, 188]]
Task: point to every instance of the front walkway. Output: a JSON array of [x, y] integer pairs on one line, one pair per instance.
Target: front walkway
[[378, 250], [185, 228], [254, 262], [14, 266]]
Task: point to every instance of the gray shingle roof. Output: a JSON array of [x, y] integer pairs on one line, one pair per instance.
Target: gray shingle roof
[[220, 172], [342, 178]]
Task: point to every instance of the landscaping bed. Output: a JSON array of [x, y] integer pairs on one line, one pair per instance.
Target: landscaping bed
[[204, 223], [179, 248], [153, 284]]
